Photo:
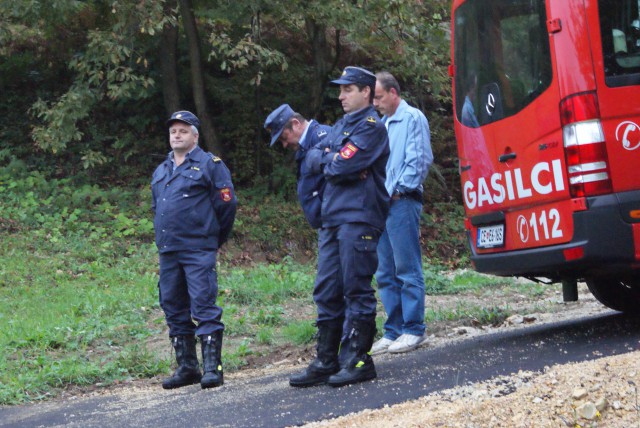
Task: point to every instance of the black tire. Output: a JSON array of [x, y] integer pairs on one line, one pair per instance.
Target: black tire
[[620, 294]]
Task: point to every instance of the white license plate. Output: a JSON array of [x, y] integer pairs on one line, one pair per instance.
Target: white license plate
[[490, 236]]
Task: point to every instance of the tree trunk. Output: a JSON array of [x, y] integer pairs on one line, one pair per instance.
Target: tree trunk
[[197, 76], [323, 62], [169, 64]]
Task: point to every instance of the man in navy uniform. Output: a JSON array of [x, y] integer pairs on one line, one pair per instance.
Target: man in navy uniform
[[299, 134], [296, 133], [355, 203], [195, 206]]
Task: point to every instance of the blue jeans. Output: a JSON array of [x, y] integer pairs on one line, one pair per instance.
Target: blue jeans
[[399, 274]]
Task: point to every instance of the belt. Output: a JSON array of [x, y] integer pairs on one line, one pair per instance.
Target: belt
[[416, 195]]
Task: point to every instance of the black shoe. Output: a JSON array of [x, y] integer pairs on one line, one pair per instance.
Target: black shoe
[[361, 371], [212, 360], [326, 362], [316, 374], [188, 371], [358, 365]]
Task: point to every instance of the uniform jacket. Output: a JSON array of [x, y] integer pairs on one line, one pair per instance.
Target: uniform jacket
[[311, 185], [195, 206], [361, 141], [410, 143]]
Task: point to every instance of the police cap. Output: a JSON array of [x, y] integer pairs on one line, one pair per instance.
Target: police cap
[[184, 116], [277, 120], [356, 75]]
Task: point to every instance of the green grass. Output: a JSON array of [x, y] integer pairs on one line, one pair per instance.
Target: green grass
[[468, 314], [79, 313], [70, 317]]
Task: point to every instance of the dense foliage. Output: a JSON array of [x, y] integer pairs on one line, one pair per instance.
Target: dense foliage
[[88, 85]]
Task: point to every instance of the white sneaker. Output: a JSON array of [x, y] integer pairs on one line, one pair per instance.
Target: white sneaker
[[381, 346], [406, 343]]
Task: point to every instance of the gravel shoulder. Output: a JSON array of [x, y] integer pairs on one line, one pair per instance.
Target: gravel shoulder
[[602, 393]]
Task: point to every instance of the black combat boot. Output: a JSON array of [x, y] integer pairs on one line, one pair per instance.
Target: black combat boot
[[212, 360], [359, 366], [326, 362], [188, 371]]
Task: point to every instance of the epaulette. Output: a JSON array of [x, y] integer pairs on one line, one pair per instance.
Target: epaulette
[[215, 158], [371, 119]]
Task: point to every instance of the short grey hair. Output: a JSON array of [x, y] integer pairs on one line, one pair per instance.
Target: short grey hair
[[387, 81]]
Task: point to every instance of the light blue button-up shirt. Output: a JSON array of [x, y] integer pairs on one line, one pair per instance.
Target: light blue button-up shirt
[[410, 144]]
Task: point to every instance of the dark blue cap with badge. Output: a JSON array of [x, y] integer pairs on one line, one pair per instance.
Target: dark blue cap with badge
[[357, 75], [184, 116], [277, 120]]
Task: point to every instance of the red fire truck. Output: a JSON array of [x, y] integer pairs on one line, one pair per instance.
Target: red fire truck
[[547, 120]]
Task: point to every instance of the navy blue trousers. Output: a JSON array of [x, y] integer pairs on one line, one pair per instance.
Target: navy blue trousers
[[188, 291], [347, 260]]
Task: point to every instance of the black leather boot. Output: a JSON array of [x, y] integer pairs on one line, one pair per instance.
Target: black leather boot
[[326, 362], [359, 366], [212, 360], [188, 371]]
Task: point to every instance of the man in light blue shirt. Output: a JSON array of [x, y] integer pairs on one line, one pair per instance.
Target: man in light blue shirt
[[399, 275]]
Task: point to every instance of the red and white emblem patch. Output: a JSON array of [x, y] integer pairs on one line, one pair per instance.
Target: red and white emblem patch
[[225, 194], [348, 151]]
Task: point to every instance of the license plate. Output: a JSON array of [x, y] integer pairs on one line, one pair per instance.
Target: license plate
[[490, 236]]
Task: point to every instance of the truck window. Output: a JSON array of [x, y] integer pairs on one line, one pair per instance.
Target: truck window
[[501, 53], [620, 30]]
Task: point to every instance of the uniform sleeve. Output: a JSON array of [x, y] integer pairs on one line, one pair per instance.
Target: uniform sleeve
[[224, 200], [418, 155], [361, 149], [153, 199], [317, 158], [155, 178]]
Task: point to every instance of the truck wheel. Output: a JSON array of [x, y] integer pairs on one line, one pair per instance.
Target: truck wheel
[[620, 294]]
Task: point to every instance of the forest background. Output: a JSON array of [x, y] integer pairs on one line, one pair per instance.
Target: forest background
[[87, 87]]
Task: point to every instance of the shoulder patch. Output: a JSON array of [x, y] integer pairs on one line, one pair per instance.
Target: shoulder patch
[[215, 158], [321, 133], [348, 151], [371, 119], [225, 194]]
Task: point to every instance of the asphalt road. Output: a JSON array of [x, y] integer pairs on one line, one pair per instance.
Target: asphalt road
[[270, 402]]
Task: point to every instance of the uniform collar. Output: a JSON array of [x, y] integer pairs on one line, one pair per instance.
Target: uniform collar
[[303, 137], [191, 155], [360, 114]]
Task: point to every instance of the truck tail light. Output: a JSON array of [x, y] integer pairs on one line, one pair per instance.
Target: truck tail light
[[585, 148]]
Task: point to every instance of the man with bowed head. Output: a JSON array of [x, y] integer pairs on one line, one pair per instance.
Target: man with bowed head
[[299, 134], [354, 207], [195, 206], [399, 275]]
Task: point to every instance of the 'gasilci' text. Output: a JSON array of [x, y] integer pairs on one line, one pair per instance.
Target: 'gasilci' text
[[545, 178]]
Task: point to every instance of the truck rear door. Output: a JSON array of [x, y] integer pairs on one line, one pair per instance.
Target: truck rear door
[[512, 161], [614, 33]]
